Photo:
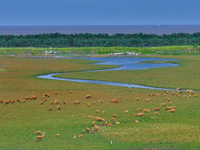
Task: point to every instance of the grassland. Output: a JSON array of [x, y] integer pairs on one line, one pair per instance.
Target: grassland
[[18, 78], [84, 51]]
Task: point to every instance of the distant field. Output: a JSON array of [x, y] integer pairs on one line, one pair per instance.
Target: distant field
[[18, 78], [163, 50]]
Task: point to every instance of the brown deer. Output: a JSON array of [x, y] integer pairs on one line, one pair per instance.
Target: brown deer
[[40, 137]]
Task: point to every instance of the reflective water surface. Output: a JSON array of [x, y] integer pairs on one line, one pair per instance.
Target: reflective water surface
[[126, 63]]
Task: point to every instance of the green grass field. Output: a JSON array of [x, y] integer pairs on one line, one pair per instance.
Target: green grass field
[[18, 78], [85, 51]]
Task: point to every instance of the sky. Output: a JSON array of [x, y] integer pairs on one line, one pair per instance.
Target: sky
[[99, 12]]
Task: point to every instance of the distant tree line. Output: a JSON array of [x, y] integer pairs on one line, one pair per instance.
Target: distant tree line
[[99, 40]]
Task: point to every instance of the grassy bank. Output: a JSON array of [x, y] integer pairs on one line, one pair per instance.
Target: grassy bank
[[179, 130]]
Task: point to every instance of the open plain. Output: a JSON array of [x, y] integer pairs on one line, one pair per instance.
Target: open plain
[[91, 116]]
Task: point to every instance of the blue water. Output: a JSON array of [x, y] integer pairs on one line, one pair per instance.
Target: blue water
[[126, 63], [95, 29]]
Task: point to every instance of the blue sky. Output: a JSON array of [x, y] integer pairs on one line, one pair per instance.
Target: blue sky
[[99, 12]]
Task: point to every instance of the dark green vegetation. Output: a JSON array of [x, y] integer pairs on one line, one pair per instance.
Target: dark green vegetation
[[18, 121], [99, 40]]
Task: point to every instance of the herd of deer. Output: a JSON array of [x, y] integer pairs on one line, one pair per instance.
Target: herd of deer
[[171, 109]]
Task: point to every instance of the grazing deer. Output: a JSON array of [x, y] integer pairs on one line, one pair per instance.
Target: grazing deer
[[92, 131], [40, 137], [147, 110], [74, 136], [180, 92], [147, 99], [156, 112], [191, 92], [88, 96], [113, 119], [173, 107], [152, 117], [104, 111], [93, 123], [168, 108], [171, 110], [113, 100], [88, 130], [110, 124], [139, 109], [137, 99], [114, 115], [139, 114], [157, 109], [126, 111], [164, 104]]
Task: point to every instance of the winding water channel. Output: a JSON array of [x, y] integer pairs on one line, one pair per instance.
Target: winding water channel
[[126, 63]]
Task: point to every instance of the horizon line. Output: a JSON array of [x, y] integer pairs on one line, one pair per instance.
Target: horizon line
[[107, 25]]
